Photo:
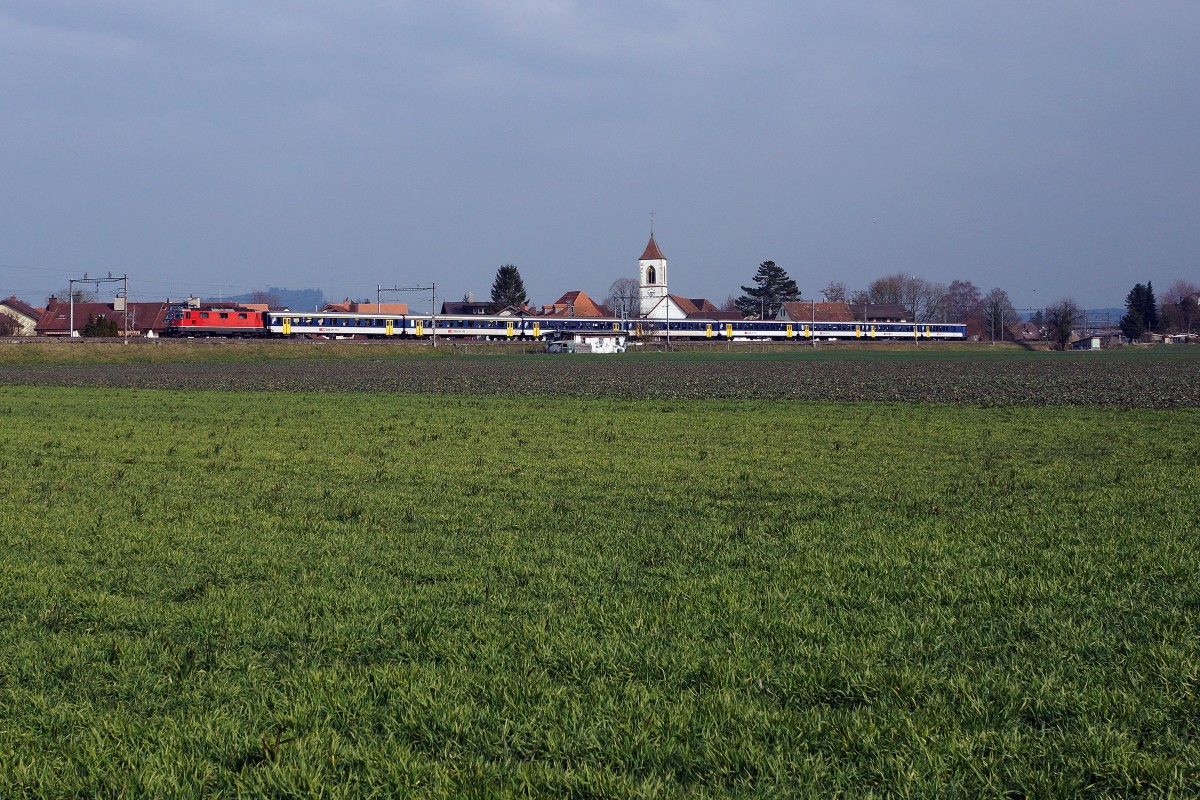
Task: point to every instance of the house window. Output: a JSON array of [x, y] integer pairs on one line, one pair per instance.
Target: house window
[[650, 276]]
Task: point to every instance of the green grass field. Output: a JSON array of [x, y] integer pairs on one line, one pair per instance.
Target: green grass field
[[325, 594]]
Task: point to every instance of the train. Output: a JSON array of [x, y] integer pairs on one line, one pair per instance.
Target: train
[[242, 321]]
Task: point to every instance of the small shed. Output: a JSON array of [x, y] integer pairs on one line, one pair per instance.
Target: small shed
[[586, 342]]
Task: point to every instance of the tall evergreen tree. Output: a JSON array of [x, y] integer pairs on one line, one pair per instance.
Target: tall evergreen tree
[[508, 289], [773, 288], [1150, 308], [1141, 311]]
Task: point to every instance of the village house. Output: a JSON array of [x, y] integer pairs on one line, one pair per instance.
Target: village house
[[356, 307], [465, 308], [134, 319], [575, 304], [880, 312], [806, 312], [25, 315]]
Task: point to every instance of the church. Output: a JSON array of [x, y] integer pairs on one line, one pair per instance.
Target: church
[[656, 300]]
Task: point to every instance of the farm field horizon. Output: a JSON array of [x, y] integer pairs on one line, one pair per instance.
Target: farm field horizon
[[309, 587], [971, 374]]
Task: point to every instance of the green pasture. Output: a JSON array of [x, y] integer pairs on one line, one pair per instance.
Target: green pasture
[[274, 594]]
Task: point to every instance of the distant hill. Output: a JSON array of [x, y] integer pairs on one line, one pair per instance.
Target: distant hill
[[1098, 317], [295, 299]]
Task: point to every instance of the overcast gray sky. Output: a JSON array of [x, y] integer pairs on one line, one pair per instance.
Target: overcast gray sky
[[1049, 148]]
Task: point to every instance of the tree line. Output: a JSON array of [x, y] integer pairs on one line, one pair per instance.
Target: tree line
[[989, 315], [1145, 314]]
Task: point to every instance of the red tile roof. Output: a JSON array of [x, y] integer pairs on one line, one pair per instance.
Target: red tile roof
[[694, 306], [21, 307], [652, 252], [144, 317], [576, 304], [826, 312]]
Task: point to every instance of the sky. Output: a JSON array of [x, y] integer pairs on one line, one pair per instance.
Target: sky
[[1048, 148]]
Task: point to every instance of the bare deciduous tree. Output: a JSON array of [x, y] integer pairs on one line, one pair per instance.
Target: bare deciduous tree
[[924, 300], [624, 296], [1179, 307], [1061, 318], [81, 295], [9, 326], [259, 297], [835, 292], [998, 314]]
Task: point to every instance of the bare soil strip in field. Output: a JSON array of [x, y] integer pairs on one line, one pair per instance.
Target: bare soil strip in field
[[1134, 380]]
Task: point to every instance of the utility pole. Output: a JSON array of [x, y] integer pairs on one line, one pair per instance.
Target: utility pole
[[432, 288], [124, 296]]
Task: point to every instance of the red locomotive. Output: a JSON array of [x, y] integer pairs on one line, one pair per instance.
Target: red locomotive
[[215, 320]]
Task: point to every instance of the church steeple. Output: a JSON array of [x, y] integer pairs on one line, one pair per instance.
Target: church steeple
[[652, 277], [652, 253]]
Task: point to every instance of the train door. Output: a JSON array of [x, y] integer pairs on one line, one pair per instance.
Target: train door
[[729, 329], [508, 328], [790, 332], [389, 329], [858, 331], [287, 326], [872, 331], [419, 327], [708, 330], [537, 329]]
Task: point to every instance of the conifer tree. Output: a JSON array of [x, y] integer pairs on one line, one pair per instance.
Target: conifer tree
[[99, 326], [773, 288], [1141, 311], [508, 289]]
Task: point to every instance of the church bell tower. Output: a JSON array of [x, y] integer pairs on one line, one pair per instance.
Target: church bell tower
[[652, 278]]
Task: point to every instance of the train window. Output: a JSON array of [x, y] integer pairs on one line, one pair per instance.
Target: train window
[[203, 315], [242, 316]]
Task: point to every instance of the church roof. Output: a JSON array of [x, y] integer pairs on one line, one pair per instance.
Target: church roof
[[693, 306], [652, 252]]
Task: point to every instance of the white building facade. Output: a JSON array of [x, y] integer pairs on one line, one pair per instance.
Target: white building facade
[[652, 281], [655, 299]]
